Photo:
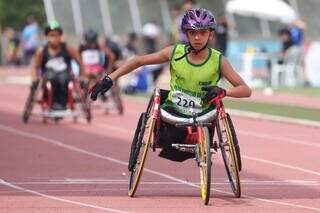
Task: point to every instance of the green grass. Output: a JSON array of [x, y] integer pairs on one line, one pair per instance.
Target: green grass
[[307, 91], [300, 91], [274, 109], [265, 108]]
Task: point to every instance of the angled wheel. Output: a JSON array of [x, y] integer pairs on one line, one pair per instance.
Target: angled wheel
[[81, 94], [227, 147], [205, 163], [117, 99], [27, 109], [139, 150], [30, 103]]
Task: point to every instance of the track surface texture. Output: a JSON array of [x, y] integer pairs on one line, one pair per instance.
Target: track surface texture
[[80, 167]]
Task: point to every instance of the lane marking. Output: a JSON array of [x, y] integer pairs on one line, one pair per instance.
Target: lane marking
[[3, 182], [259, 135], [243, 156], [60, 144], [278, 138], [125, 182], [281, 165]]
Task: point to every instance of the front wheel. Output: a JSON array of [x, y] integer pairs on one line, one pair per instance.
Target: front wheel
[[227, 147], [29, 106], [205, 163], [139, 151]]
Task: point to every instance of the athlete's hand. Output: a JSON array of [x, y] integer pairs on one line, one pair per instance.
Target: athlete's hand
[[101, 87], [212, 92]]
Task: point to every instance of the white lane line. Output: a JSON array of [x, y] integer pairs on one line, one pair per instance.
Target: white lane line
[[60, 144], [59, 199], [229, 193], [281, 165], [242, 132], [278, 138], [243, 156], [125, 182]]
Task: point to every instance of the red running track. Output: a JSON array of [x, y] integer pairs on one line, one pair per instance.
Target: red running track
[[83, 168]]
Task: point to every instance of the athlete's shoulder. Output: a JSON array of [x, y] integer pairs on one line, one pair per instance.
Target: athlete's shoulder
[[178, 49], [215, 51]]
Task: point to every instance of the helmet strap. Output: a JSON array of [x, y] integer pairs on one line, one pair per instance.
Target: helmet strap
[[190, 49]]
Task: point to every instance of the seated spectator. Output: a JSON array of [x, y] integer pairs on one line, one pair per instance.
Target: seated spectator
[[286, 40]]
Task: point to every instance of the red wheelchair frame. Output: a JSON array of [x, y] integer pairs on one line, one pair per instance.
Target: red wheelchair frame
[[44, 99], [199, 127]]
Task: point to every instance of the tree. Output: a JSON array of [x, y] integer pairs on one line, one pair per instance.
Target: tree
[[14, 12]]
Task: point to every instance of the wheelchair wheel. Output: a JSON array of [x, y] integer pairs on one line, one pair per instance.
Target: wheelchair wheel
[[205, 164], [117, 99], [29, 105], [81, 95], [27, 109], [227, 147], [144, 135], [235, 142], [87, 110]]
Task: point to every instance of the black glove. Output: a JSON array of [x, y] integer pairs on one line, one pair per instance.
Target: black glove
[[101, 87], [212, 92]]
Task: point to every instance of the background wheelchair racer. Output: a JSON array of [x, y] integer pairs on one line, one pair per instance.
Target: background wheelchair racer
[[53, 63]]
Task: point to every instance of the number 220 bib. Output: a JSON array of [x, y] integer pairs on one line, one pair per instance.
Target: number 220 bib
[[186, 103]]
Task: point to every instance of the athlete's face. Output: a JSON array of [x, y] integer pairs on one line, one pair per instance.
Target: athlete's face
[[54, 38], [199, 38]]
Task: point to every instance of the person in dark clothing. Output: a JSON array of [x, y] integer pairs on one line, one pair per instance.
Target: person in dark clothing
[[95, 58], [222, 35], [116, 50], [131, 45], [286, 40], [14, 45], [54, 61]]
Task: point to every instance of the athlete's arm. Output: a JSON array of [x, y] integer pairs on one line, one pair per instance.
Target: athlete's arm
[[240, 88], [35, 64], [74, 53], [154, 58]]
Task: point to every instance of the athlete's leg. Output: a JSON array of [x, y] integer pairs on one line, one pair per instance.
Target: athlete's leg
[[63, 80], [168, 135]]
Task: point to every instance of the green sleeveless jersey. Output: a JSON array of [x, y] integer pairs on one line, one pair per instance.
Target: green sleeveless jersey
[[187, 79]]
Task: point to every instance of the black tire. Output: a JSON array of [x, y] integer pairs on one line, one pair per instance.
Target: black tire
[[228, 152], [140, 154], [29, 106], [84, 102], [136, 142], [116, 97], [235, 142], [205, 165]]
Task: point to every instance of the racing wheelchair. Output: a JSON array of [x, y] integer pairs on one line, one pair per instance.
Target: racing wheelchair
[[215, 121], [41, 93]]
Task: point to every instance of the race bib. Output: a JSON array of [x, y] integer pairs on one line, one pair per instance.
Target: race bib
[[57, 64], [90, 57], [186, 103]]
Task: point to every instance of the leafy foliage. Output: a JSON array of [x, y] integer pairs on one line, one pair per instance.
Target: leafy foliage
[[14, 12]]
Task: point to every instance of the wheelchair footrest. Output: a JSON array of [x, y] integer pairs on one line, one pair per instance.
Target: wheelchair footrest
[[184, 147], [60, 113]]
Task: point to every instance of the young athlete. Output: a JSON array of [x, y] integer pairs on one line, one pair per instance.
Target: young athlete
[[96, 59], [54, 63], [195, 70]]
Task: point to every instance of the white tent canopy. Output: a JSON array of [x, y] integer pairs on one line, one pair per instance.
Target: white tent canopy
[[263, 9]]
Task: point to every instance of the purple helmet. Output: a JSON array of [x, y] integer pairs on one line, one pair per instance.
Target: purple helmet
[[198, 19]]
